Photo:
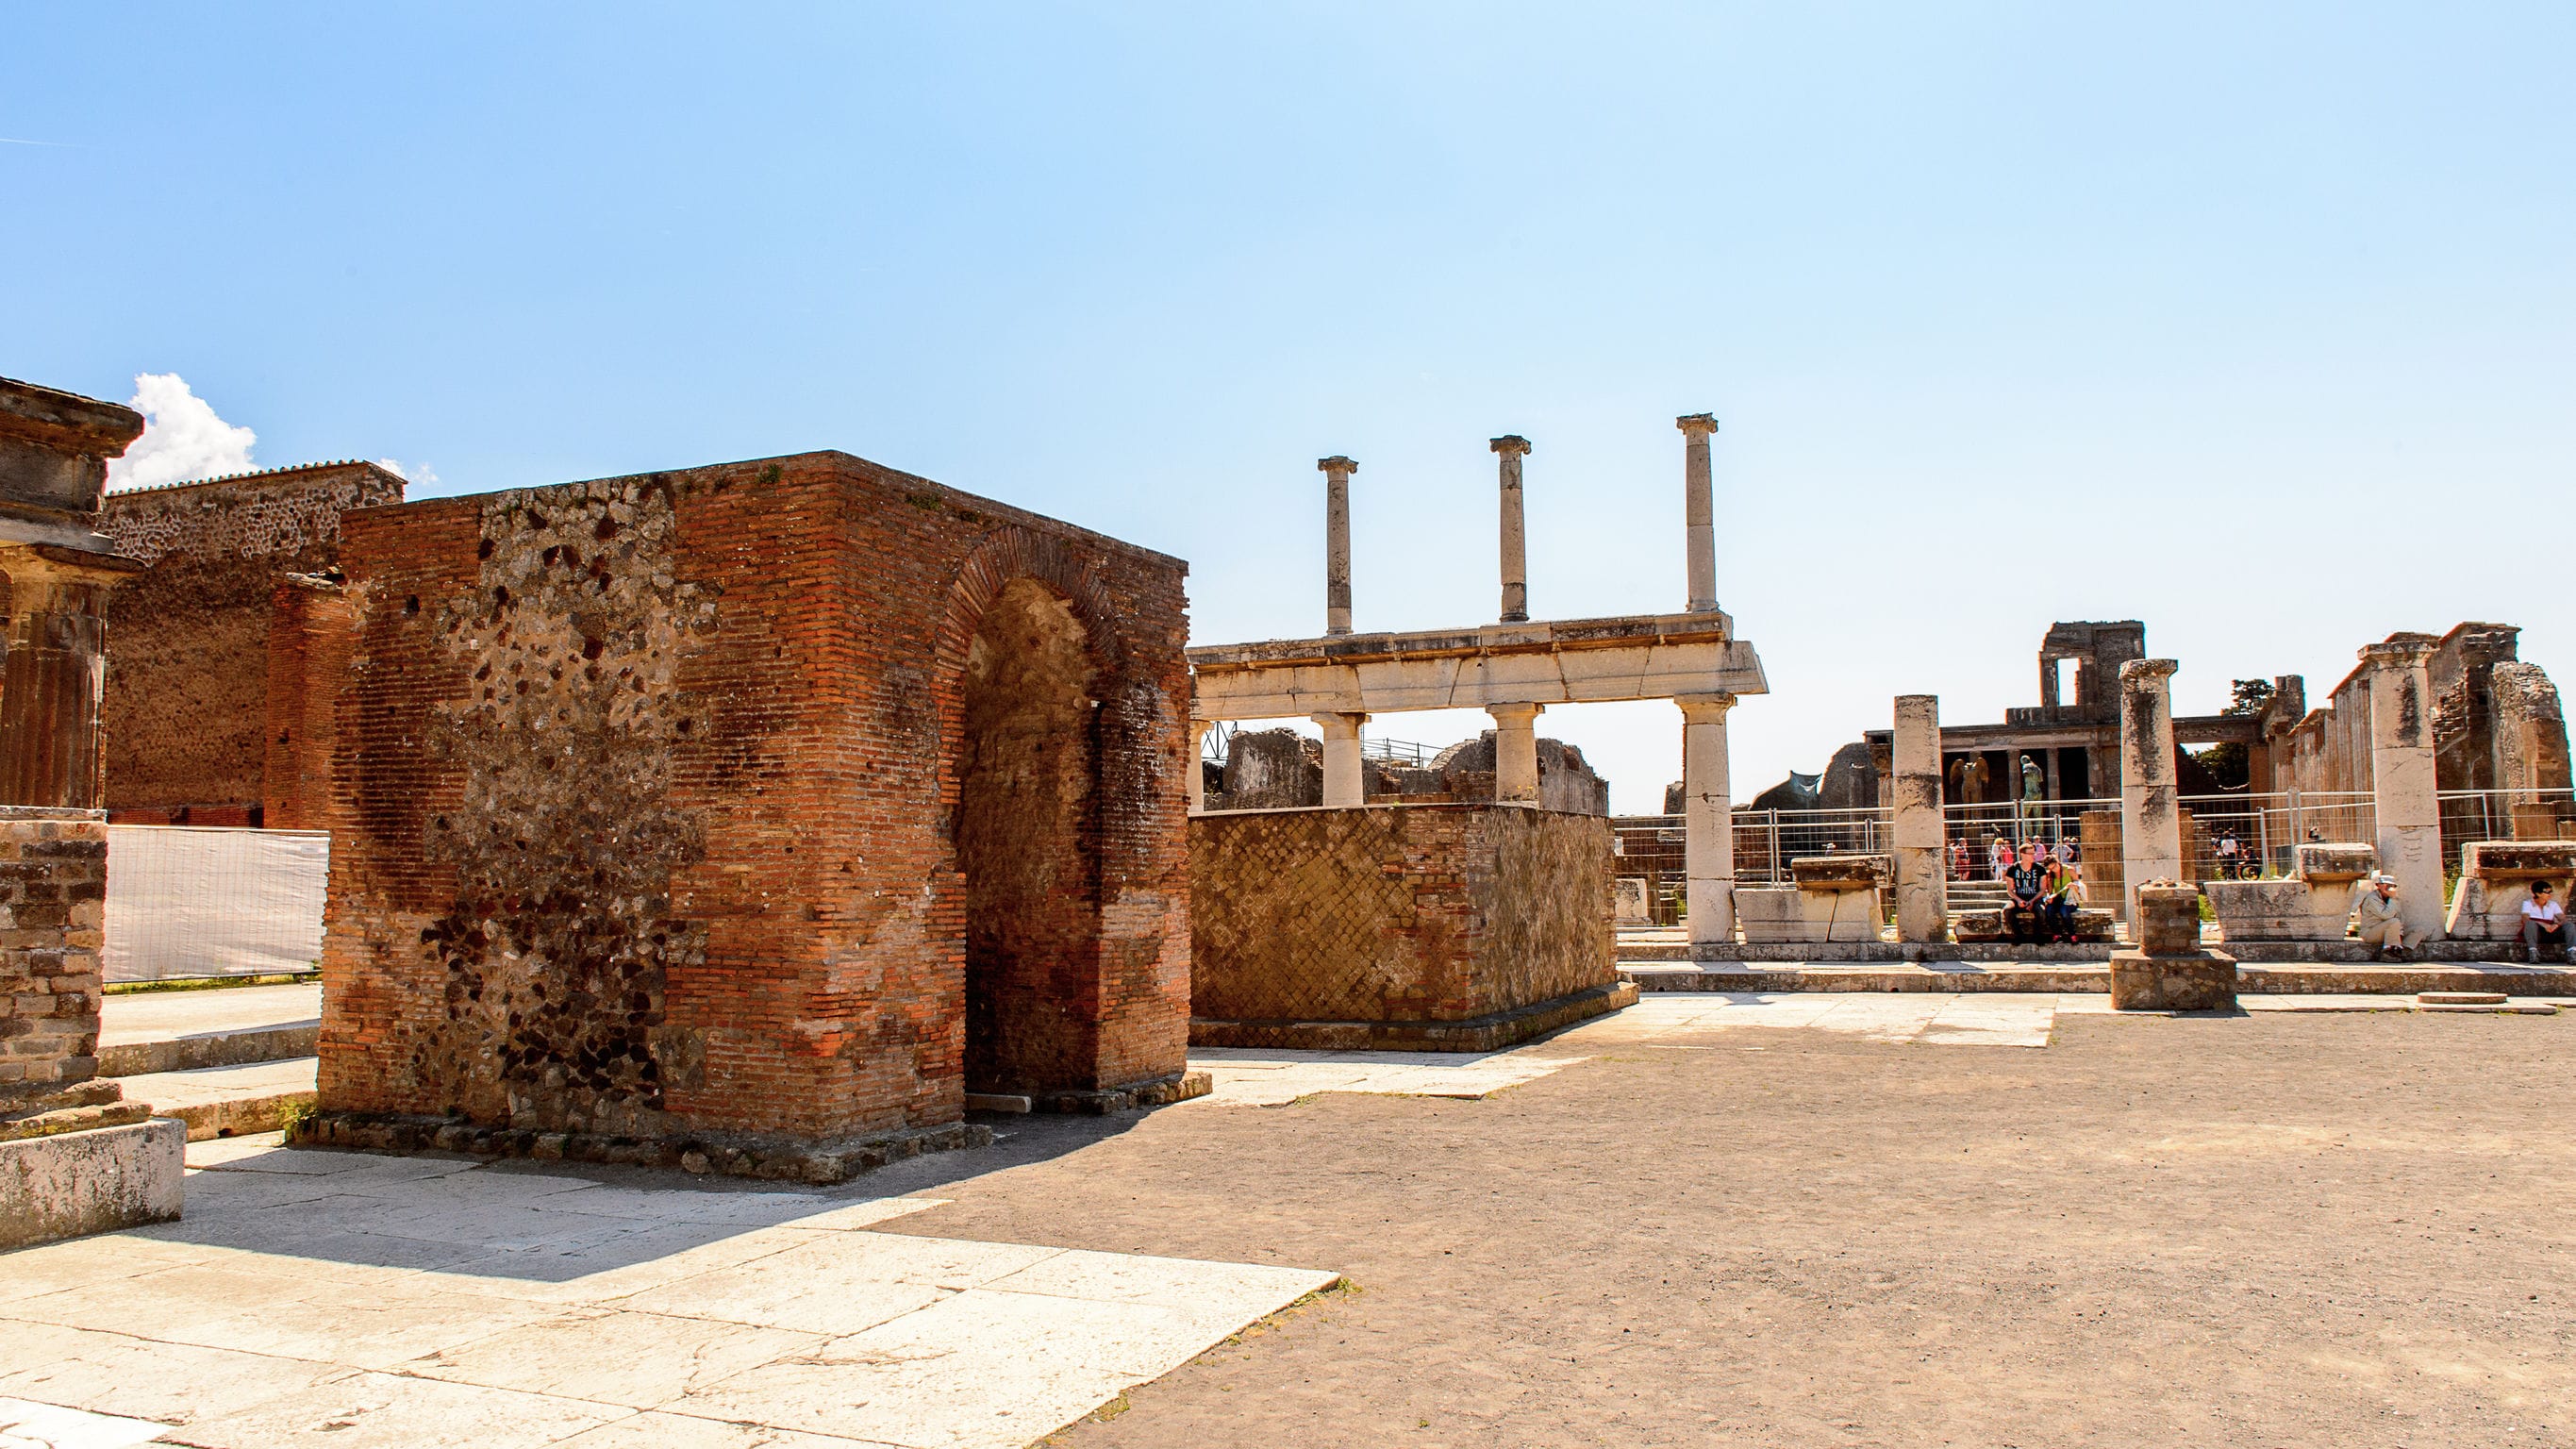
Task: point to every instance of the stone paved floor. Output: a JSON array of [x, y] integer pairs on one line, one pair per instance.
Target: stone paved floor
[[359, 1301], [133, 1016]]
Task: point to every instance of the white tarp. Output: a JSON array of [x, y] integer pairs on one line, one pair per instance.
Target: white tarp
[[186, 900]]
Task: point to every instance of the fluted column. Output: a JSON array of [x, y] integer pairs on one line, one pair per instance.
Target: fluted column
[[1699, 515], [1337, 472], [52, 751], [1515, 550], [1708, 822]]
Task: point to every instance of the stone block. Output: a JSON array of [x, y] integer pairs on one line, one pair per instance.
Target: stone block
[[2201, 981], [1829, 873], [2280, 910], [2496, 877], [1628, 902], [73, 1183], [1844, 911], [2168, 921], [2334, 862]]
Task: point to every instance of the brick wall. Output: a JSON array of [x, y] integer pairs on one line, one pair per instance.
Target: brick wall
[[187, 673], [1407, 913], [658, 805], [53, 889], [309, 637]]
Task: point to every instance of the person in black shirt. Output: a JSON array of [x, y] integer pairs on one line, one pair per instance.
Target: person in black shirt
[[2029, 883]]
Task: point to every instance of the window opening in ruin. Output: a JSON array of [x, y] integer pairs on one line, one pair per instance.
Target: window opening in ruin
[[1028, 843], [2065, 668]]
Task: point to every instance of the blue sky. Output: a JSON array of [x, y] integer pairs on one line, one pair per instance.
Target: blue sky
[[2257, 323]]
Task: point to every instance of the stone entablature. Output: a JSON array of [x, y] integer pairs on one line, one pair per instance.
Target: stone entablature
[[1569, 661]]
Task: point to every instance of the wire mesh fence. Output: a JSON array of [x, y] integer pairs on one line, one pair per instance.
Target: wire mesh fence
[[189, 901]]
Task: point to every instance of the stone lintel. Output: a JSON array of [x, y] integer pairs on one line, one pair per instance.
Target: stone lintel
[[1468, 680], [1544, 636]]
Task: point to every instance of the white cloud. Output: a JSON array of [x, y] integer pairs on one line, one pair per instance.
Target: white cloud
[[416, 473], [182, 438]]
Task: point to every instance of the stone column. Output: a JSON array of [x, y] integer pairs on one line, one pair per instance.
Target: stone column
[[1197, 775], [1698, 512], [1922, 869], [51, 748], [1515, 751], [1337, 472], [2402, 794], [1708, 821], [1344, 782], [2150, 816], [1515, 549]]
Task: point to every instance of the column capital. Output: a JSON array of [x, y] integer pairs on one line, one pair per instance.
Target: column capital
[[1337, 466], [1704, 708], [1696, 426], [1520, 714], [2144, 669], [1337, 722], [1511, 443], [2398, 651]]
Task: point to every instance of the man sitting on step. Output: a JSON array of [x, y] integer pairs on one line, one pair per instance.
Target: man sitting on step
[[2544, 925], [2376, 921]]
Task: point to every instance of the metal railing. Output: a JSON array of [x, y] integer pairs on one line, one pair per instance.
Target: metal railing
[[1402, 752]]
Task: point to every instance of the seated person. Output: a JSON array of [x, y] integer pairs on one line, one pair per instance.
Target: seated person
[[2028, 882], [2544, 924], [2375, 918], [2057, 908]]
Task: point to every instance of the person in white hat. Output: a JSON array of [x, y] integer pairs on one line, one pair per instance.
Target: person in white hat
[[2375, 918]]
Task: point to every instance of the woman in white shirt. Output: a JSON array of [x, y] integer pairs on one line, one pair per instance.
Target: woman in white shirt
[[2544, 924]]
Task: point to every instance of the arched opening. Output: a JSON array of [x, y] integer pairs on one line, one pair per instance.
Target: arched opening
[[1028, 844]]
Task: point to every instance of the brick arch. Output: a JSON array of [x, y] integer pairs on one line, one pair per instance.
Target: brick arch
[[1018, 553]]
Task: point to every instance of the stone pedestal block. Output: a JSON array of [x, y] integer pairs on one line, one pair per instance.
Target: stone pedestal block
[[1836, 899], [73, 1183], [2169, 971], [2281, 910], [2205, 981], [2496, 877], [1629, 906]]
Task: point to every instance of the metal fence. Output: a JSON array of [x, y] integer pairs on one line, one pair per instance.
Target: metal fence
[[190, 901]]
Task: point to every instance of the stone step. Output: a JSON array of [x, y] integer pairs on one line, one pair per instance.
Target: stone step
[[2460, 998], [232, 1101]]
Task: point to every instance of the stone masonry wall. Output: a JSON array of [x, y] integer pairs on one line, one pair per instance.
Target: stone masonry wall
[[646, 804], [53, 890], [187, 674], [1397, 913]]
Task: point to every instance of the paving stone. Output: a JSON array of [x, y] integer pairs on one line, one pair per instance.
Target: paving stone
[[383, 1411], [614, 1357], [25, 1425], [145, 1378]]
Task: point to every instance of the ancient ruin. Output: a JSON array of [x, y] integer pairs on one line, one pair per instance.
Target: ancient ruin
[[1476, 925], [232, 565], [75, 1156], [754, 818]]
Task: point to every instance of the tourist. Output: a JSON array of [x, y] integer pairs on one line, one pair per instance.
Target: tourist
[[2376, 920], [2065, 895], [1961, 861], [1999, 857], [2029, 886], [2544, 925], [2230, 857]]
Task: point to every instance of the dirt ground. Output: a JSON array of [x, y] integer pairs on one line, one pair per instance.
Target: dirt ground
[[2266, 1230]]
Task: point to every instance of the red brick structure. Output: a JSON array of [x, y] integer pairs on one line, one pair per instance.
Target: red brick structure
[[188, 676], [748, 817]]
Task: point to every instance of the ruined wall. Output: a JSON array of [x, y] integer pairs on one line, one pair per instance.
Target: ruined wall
[[308, 655], [187, 674], [53, 890], [647, 797], [2496, 726], [1396, 912], [1465, 771]]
